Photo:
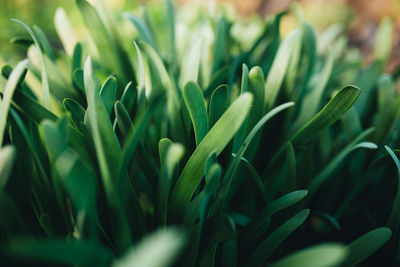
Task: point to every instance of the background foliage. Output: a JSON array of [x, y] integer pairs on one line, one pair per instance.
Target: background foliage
[[191, 136]]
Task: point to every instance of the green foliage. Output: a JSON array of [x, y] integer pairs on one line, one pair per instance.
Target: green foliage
[[151, 147]]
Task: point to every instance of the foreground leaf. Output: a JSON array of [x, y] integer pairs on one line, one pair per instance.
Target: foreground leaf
[[318, 256], [367, 244]]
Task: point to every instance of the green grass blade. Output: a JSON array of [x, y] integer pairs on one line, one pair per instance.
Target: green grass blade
[[279, 68], [216, 140], [173, 155], [144, 33], [80, 183], [194, 100], [383, 40], [75, 112], [158, 249], [8, 92], [332, 112], [218, 104], [312, 100], [108, 92], [227, 180], [394, 217], [265, 249], [108, 154], [367, 244], [170, 15], [317, 256], [324, 174], [106, 143], [7, 157], [44, 42], [65, 31], [191, 63], [122, 117], [45, 81], [275, 206], [162, 149]]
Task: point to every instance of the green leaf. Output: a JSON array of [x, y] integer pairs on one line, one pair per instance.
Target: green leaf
[[317, 256], [54, 136], [275, 206], [162, 149], [64, 30], [44, 42], [221, 44], [170, 16], [227, 180], [7, 157], [167, 84], [109, 155], [332, 112], [106, 38], [218, 103], [45, 81], [75, 112], [215, 140], [8, 92], [265, 249], [326, 172], [123, 120], [107, 93], [394, 218], [158, 249], [129, 97], [173, 155], [80, 183], [108, 150], [191, 63], [367, 244], [144, 33], [383, 40], [312, 100], [193, 97], [279, 68], [72, 252], [256, 87]]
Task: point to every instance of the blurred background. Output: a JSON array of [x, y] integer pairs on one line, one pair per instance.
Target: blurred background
[[360, 17]]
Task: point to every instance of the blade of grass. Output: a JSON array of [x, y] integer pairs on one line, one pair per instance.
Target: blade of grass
[[7, 157], [45, 81], [158, 249], [215, 140], [366, 245], [8, 92], [193, 97], [316, 256], [265, 249]]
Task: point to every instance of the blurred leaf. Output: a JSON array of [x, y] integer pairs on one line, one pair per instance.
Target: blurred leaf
[[367, 244], [72, 252], [383, 40], [316, 256], [7, 157], [159, 249]]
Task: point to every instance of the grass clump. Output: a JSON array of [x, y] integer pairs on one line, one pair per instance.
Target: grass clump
[[197, 148]]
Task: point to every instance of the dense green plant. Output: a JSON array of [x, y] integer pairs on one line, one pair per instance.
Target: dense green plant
[[196, 145]]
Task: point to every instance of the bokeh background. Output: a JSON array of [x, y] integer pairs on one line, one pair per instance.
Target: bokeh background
[[359, 16]]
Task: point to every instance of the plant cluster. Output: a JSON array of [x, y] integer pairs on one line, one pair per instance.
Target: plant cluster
[[198, 140]]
